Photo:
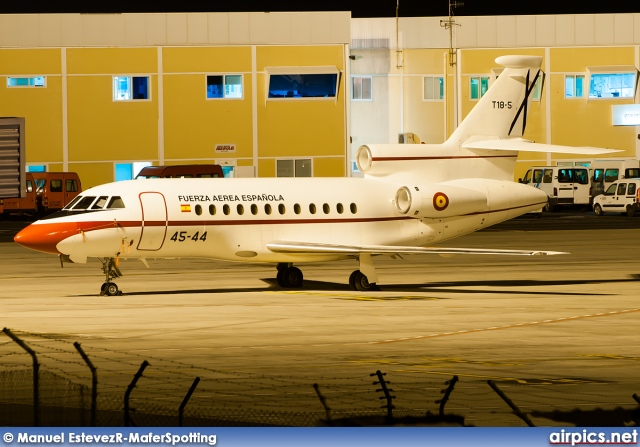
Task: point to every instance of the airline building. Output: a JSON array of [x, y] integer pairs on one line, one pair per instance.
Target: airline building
[[295, 94]]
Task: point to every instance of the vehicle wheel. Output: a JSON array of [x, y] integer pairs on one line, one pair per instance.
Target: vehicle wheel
[[292, 277], [631, 211], [363, 284], [598, 210], [280, 277], [111, 289], [352, 279]]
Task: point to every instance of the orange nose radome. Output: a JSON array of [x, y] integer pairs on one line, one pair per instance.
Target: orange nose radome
[[45, 237]]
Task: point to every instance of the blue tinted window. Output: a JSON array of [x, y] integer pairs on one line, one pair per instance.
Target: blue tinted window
[[124, 171], [303, 86]]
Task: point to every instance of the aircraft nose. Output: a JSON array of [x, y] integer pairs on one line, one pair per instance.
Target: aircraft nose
[[45, 237]]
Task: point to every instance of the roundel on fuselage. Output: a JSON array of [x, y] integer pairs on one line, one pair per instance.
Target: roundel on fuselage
[[440, 201]]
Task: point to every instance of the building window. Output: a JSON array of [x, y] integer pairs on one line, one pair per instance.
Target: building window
[[479, 86], [361, 88], [294, 168], [36, 168], [24, 81], [573, 86], [128, 171], [612, 85], [302, 82], [433, 88], [224, 86], [130, 88]]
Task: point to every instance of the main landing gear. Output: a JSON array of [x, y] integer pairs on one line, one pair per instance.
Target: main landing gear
[[363, 280], [111, 271]]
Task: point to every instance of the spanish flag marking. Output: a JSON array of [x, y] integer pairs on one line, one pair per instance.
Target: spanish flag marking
[[185, 208]]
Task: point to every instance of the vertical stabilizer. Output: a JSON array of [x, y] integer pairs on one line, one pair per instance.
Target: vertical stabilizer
[[502, 111]]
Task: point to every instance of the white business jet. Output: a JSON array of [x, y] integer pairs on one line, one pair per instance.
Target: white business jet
[[411, 197]]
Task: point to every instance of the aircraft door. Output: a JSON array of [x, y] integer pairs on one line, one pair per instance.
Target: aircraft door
[[154, 221]]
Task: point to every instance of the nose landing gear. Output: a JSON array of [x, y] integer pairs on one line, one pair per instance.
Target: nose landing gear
[[111, 271], [289, 276]]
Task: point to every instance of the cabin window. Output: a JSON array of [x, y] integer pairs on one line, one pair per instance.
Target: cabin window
[[115, 202], [73, 202], [226, 210], [100, 203], [84, 203], [198, 210], [312, 208], [267, 209], [130, 88], [354, 208], [212, 210], [240, 210], [296, 208], [281, 208], [326, 208], [224, 86], [340, 208], [254, 209]]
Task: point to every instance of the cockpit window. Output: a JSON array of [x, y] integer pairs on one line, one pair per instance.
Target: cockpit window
[[115, 202], [100, 203], [73, 202], [84, 203]]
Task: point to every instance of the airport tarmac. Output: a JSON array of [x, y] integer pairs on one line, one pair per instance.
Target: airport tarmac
[[558, 332]]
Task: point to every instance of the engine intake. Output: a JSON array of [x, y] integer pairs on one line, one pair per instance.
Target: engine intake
[[439, 200]]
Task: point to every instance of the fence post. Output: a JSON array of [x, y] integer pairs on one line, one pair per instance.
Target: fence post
[[94, 382], [513, 406], [128, 392], [36, 376], [386, 391], [186, 399], [446, 393], [323, 401]]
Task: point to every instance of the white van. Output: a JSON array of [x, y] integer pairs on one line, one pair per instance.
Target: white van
[[622, 196], [605, 172], [565, 185]]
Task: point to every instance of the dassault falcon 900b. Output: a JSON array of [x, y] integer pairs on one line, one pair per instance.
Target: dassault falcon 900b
[[411, 197]]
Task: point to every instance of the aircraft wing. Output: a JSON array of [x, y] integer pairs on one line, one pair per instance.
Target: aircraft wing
[[519, 144], [325, 249]]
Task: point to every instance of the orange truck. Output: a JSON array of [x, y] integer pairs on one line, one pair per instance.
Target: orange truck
[[45, 192]]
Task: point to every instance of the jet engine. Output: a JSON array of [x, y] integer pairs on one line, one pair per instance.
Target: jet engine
[[439, 200]]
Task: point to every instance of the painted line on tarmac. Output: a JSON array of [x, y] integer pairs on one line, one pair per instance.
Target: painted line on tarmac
[[508, 326]]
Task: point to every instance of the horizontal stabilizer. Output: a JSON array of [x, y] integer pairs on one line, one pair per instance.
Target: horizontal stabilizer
[[327, 249], [518, 144]]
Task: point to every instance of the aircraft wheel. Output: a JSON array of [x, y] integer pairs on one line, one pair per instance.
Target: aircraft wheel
[[352, 279], [280, 277], [292, 277], [363, 284], [598, 210], [111, 289]]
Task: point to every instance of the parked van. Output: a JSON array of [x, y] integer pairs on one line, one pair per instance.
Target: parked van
[[45, 192], [54, 190], [605, 172], [181, 171], [565, 185], [622, 196]]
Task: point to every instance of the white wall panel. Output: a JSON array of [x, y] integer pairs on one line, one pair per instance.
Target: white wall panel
[[114, 30], [259, 25], [410, 31], [603, 29], [526, 31], [218, 28], [585, 32], [636, 29], [8, 31], [93, 30], [49, 34], [197, 29], [177, 29], [466, 33], [71, 30], [135, 29], [155, 29], [321, 27], [506, 31], [279, 28], [623, 29], [239, 28], [301, 28], [545, 31], [433, 35], [565, 30], [488, 32], [28, 30]]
